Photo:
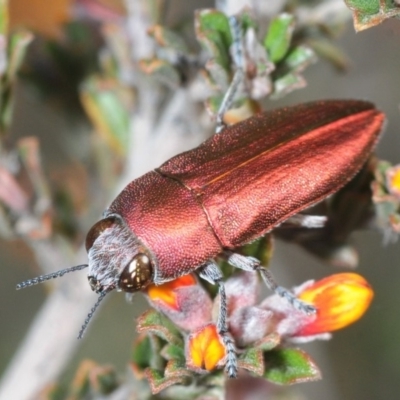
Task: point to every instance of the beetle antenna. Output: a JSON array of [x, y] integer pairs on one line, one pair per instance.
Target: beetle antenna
[[53, 275], [91, 313]]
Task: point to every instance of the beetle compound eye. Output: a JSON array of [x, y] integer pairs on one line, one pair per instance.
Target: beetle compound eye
[[137, 274], [97, 229]]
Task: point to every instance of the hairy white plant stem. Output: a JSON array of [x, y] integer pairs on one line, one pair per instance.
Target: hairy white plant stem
[[157, 134]]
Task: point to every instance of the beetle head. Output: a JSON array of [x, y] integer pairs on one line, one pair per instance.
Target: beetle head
[[117, 258]]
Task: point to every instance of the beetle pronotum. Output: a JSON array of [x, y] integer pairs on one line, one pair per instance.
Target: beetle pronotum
[[233, 188]]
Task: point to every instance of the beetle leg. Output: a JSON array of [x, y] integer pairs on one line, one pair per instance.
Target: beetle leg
[[247, 263], [211, 273], [238, 77]]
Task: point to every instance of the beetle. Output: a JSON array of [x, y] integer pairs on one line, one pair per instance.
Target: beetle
[[232, 189]]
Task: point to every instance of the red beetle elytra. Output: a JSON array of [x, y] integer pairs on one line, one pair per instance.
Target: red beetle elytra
[[232, 189]]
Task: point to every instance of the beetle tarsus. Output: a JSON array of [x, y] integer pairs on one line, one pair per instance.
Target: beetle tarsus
[[295, 302], [231, 366], [306, 221], [247, 263], [211, 273], [285, 293]]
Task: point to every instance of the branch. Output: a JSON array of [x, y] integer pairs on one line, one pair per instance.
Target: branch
[[51, 339]]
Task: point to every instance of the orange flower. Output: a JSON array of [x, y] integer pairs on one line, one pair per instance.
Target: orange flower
[[205, 349], [340, 300], [393, 180], [166, 293]]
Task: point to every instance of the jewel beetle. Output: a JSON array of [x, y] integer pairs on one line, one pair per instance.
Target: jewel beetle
[[232, 189]]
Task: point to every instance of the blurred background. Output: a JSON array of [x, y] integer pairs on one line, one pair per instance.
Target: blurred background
[[362, 361]]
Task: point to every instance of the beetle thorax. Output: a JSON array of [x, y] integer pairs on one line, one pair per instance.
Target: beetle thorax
[[110, 253]]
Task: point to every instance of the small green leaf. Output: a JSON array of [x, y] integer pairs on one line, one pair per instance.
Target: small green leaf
[[104, 380], [80, 385], [294, 63], [212, 104], [141, 352], [10, 62], [368, 13], [279, 36], [19, 42], [289, 366], [177, 369], [55, 392], [252, 360], [107, 105], [368, 7], [214, 34], [269, 342], [167, 38], [173, 352], [159, 382], [153, 322], [299, 58], [247, 21], [161, 70], [6, 226], [287, 84]]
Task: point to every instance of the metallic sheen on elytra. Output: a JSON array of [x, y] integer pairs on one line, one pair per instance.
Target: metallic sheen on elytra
[[239, 184]]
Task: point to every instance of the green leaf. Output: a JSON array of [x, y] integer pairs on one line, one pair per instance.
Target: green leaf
[[368, 13], [177, 369], [159, 382], [279, 36], [173, 352], [247, 21], [107, 105], [289, 366], [55, 392], [153, 322], [252, 360], [141, 354], [287, 84], [299, 58], [269, 342], [161, 70], [213, 33], [104, 380], [81, 384], [217, 77], [294, 63], [212, 103], [11, 63], [19, 42], [167, 38]]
